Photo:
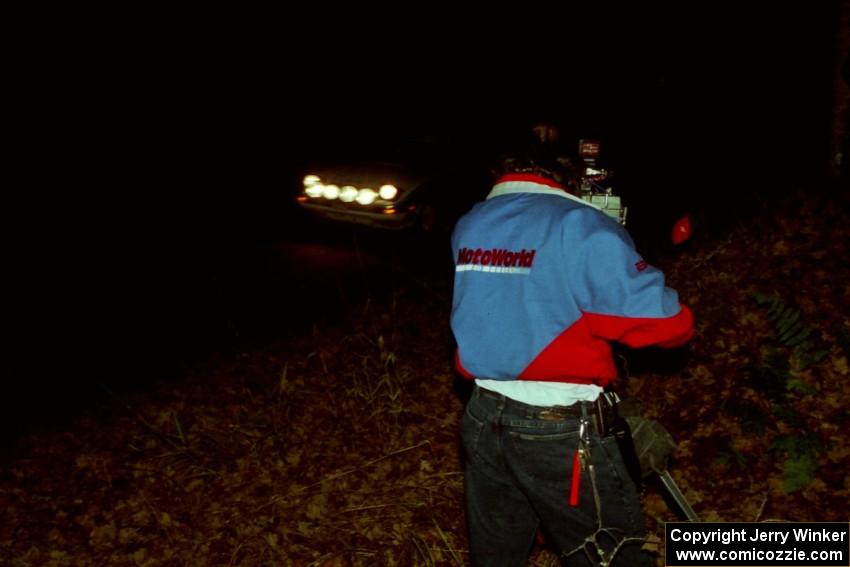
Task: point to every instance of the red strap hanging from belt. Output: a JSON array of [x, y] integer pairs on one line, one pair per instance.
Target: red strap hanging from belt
[[574, 482]]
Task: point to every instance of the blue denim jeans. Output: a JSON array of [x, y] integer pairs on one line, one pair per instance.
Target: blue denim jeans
[[518, 473]]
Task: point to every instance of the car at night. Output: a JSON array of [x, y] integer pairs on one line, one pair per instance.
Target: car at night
[[421, 184], [371, 193]]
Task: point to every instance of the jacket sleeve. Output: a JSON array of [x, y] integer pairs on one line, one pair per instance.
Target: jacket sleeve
[[624, 299]]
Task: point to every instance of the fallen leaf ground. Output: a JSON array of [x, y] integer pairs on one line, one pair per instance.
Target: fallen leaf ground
[[341, 447]]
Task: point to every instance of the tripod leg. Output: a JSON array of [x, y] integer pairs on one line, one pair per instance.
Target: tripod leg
[[674, 492]]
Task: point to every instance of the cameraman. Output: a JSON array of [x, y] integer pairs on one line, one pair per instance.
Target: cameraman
[[543, 282]]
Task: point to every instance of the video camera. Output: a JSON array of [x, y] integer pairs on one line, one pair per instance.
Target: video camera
[[596, 186]]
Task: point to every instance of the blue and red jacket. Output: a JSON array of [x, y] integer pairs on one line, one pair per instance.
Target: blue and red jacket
[[544, 281]]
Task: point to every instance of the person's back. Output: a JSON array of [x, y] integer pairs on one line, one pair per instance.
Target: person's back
[[534, 263]]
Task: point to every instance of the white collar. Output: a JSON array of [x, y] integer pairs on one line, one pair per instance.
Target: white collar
[[514, 187]]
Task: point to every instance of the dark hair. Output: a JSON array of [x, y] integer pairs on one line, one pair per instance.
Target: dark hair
[[541, 150]]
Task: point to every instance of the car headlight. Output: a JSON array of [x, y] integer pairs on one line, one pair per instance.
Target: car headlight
[[315, 191], [366, 196], [347, 194], [313, 186], [388, 192]]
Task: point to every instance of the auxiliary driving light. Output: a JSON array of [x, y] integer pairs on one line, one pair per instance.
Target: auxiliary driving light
[[331, 192], [388, 192], [347, 194], [366, 196]]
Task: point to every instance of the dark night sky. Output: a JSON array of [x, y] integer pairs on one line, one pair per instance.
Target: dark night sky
[[141, 160], [169, 128]]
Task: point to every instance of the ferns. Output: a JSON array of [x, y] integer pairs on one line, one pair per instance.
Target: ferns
[[780, 374], [790, 331], [801, 459]]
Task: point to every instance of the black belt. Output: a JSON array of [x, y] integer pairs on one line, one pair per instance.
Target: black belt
[[601, 412]]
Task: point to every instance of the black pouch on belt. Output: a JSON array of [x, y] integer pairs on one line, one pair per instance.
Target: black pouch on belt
[[623, 435], [617, 426]]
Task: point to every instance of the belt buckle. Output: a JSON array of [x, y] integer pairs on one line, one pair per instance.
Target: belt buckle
[[550, 415]]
